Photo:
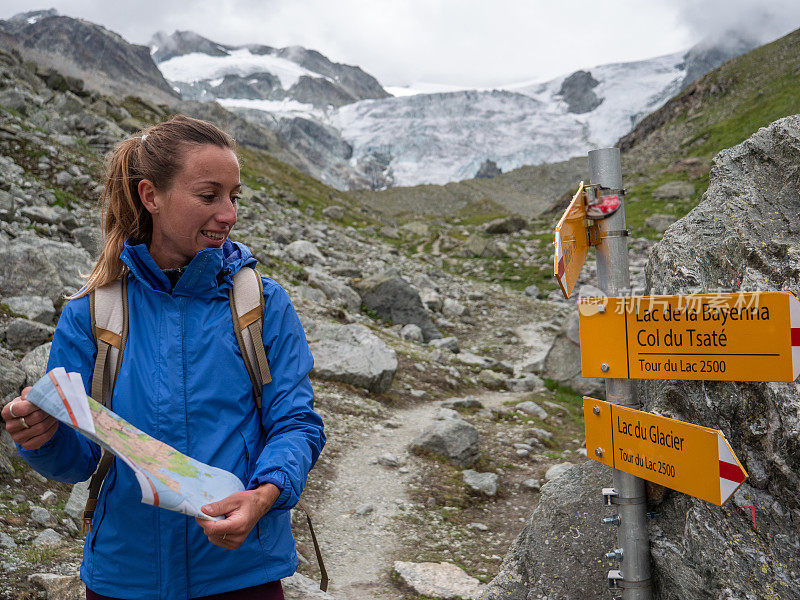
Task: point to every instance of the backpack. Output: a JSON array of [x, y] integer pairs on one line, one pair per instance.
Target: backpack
[[109, 314]]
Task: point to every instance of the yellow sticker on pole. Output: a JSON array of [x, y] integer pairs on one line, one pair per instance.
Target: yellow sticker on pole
[[571, 243], [746, 336], [682, 456]]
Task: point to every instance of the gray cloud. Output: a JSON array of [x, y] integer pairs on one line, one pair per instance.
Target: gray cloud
[[459, 42], [762, 21]]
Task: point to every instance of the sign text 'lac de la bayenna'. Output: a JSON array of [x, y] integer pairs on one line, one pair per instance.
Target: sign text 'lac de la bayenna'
[[745, 336]]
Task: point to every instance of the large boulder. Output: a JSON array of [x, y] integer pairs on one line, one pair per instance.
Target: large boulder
[[351, 354], [563, 360], [22, 334], [477, 245], [745, 235], [300, 587], [674, 190], [393, 299], [35, 308], [77, 499], [304, 252], [34, 363], [36, 266], [62, 587], [336, 291], [559, 553], [438, 580], [451, 437], [506, 225], [12, 375]]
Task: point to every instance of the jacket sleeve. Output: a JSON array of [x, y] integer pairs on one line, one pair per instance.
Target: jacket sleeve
[[69, 456], [294, 432]]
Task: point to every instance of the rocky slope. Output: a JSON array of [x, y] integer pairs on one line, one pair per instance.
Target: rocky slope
[[743, 236], [78, 48], [722, 108], [73, 50]]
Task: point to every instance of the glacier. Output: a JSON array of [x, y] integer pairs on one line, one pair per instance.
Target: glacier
[[429, 133]]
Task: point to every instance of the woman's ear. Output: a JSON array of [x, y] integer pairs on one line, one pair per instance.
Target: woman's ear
[[147, 194]]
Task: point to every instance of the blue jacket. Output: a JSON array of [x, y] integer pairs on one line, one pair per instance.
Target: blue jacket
[[183, 380]]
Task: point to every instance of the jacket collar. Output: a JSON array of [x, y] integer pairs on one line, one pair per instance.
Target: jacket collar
[[210, 268]]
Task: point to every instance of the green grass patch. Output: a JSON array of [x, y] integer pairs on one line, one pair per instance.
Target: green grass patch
[[640, 203], [64, 198], [780, 97], [521, 276], [563, 394], [480, 218], [5, 311], [37, 555]]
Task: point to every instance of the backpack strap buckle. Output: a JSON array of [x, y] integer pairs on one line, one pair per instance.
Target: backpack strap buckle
[[88, 515]]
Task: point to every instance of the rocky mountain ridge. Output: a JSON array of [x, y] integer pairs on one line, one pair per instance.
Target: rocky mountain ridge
[[454, 133], [258, 72], [77, 48], [369, 140]]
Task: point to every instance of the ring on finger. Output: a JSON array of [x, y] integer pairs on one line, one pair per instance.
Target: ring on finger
[[11, 410], [24, 424], [224, 535]]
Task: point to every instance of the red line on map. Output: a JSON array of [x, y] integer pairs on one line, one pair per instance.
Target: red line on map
[[64, 400]]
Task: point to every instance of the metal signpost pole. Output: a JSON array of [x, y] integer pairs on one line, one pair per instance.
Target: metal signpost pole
[[614, 280]]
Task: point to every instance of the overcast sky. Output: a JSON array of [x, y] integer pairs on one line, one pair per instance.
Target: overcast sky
[[460, 42]]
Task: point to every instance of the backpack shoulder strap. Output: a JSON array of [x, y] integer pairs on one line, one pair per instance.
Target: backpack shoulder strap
[[247, 310], [109, 312]]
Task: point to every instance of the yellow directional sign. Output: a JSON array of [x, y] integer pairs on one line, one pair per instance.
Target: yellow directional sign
[[747, 336], [571, 243], [689, 458]]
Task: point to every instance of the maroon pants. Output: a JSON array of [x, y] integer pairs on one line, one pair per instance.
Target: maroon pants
[[267, 591]]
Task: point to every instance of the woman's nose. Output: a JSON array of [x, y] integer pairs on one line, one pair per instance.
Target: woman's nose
[[227, 214]]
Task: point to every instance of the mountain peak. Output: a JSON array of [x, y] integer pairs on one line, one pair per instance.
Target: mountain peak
[[163, 46], [711, 52], [32, 16], [103, 59]]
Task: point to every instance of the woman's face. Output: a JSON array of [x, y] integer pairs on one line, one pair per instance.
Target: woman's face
[[198, 210]]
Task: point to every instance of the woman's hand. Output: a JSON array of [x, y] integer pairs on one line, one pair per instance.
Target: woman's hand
[[28, 425], [242, 511]]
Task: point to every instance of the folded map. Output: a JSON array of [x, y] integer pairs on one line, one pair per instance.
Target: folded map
[[168, 478]]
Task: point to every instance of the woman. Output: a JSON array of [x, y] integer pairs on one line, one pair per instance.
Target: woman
[[170, 204]]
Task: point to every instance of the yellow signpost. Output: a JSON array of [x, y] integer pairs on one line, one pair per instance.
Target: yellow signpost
[[746, 336], [571, 243], [689, 458]]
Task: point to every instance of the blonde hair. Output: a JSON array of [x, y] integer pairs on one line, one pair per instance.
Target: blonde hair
[[156, 155]]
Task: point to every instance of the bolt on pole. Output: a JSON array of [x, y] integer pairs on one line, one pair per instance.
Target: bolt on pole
[[614, 280]]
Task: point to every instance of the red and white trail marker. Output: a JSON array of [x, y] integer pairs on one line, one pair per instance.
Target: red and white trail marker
[[731, 474]]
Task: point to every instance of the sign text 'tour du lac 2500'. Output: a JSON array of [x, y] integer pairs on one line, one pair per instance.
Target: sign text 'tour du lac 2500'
[[724, 337]]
